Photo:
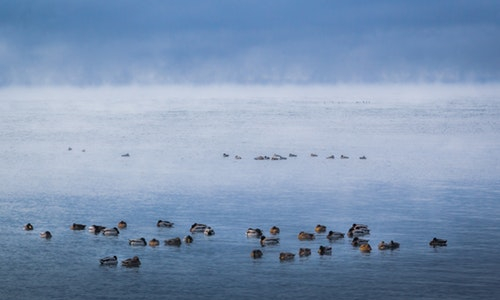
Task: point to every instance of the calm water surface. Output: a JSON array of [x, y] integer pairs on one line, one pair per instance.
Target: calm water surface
[[430, 171]]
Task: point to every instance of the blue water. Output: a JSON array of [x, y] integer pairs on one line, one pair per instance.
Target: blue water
[[431, 171]]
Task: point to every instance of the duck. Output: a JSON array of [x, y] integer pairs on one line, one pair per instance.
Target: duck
[[286, 256], [162, 223], [334, 235], [330, 157], [325, 250], [356, 242], [126, 155], [274, 230], [256, 253], [435, 242], [388, 246], [365, 248], [320, 228], [131, 262], [362, 157], [225, 155], [261, 157], [277, 157], [304, 252], [251, 232], [188, 239], [154, 242], [314, 155], [237, 157], [196, 227], [109, 261], [173, 242], [358, 230], [46, 235], [292, 155], [304, 236], [344, 156], [28, 227], [122, 224], [110, 231], [76, 226], [96, 228], [209, 231], [264, 241], [137, 242]]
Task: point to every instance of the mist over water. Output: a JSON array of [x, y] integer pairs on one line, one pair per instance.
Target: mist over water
[[430, 171]]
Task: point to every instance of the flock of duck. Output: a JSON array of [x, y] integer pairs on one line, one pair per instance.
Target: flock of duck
[[356, 232], [281, 157]]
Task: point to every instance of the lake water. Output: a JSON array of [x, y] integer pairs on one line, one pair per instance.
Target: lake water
[[431, 171]]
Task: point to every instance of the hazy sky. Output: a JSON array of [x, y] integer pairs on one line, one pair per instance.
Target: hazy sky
[[248, 41]]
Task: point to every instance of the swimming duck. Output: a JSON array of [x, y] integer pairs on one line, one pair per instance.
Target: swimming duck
[[268, 241], [256, 253], [344, 157], [435, 242], [274, 230], [320, 228], [330, 157], [110, 231], [109, 261], [131, 262], [76, 226], [188, 239], [262, 157], [251, 232], [356, 242], [358, 230], [225, 155], [154, 243], [365, 248], [96, 229], [277, 157], [325, 250], [173, 242], [314, 155], [126, 155], [198, 227], [286, 256], [161, 223], [46, 235], [28, 227], [388, 246], [209, 231], [122, 224], [362, 157], [304, 236], [304, 252], [137, 242], [292, 155], [237, 157], [334, 235]]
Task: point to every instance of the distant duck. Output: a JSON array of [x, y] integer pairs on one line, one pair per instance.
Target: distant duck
[[304, 236], [264, 241], [325, 250], [122, 224], [254, 232], [198, 227], [292, 155], [320, 228], [435, 242], [46, 235], [358, 230], [237, 157], [314, 155], [109, 261], [274, 230], [83, 150], [344, 156], [260, 157], [286, 256], [131, 262], [161, 223], [96, 229], [209, 231], [362, 157], [69, 148], [225, 155], [330, 157], [28, 227], [173, 242], [365, 248], [304, 252], [110, 231], [334, 235], [356, 242], [388, 246], [76, 226], [154, 242], [277, 157], [126, 155], [137, 242], [188, 239], [256, 253]]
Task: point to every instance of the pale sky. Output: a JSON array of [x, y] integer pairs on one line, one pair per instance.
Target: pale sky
[[248, 42]]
